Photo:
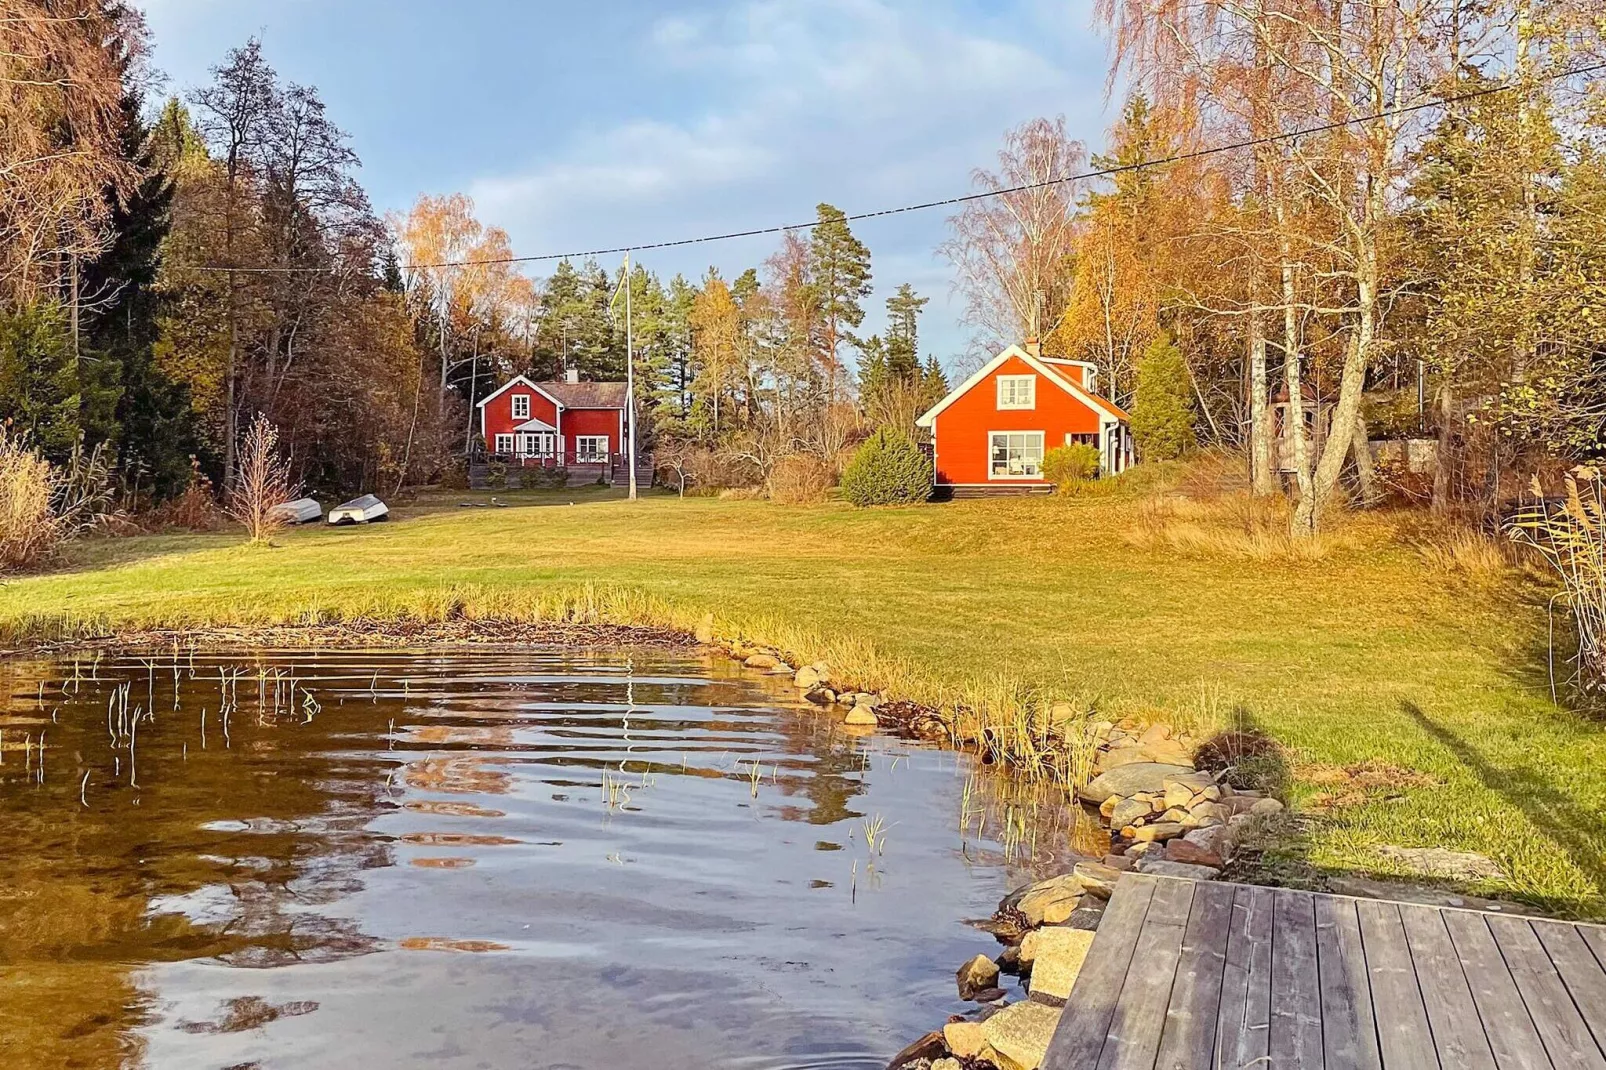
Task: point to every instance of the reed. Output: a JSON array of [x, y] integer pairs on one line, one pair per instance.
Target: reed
[[1571, 536]]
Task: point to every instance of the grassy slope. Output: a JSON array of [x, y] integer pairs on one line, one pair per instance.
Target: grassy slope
[[1364, 656]]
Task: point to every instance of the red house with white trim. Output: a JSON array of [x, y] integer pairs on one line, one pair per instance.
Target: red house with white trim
[[555, 424], [991, 432]]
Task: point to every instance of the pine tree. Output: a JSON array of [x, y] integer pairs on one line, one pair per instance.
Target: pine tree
[[839, 270], [1162, 414], [903, 332]]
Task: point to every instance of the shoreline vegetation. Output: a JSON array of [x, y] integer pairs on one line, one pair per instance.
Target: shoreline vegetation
[[1403, 680]]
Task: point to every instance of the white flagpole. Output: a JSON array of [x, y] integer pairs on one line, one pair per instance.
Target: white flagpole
[[630, 381]]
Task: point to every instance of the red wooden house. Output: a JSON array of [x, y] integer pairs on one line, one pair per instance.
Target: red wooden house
[[991, 432], [555, 424]]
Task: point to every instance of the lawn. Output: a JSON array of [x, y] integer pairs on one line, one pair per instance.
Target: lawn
[[1368, 655]]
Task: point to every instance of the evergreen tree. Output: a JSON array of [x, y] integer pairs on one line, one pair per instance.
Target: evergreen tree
[[839, 276], [903, 332], [1162, 413]]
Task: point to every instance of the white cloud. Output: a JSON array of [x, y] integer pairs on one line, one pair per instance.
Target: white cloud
[[778, 104]]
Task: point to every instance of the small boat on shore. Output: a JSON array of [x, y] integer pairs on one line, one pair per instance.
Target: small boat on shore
[[300, 511], [364, 510]]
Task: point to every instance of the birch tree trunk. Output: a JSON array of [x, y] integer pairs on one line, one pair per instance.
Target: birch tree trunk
[[1263, 474]]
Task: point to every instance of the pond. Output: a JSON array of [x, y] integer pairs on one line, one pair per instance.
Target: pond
[[480, 858]]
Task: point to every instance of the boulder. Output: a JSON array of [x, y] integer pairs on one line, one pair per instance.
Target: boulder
[[1159, 867], [964, 1039], [1205, 814], [1169, 752], [1176, 815], [1087, 916], [1164, 830], [1129, 811], [1194, 782], [861, 715], [1177, 794], [1140, 850], [821, 696], [1121, 862], [1216, 839], [1049, 902], [1097, 879], [1022, 1031], [921, 1053], [1009, 959], [1266, 807], [1127, 780], [808, 678], [1116, 757], [978, 974], [1107, 807], [1155, 733], [761, 661], [1442, 862], [1058, 958], [1181, 850]]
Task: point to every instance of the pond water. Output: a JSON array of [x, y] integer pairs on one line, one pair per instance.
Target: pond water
[[479, 858]]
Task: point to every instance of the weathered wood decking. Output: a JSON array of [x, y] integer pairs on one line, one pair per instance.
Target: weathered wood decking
[[1210, 976]]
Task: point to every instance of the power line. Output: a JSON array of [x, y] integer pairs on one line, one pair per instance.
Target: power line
[[966, 198]]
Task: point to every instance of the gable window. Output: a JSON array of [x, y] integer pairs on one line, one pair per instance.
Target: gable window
[[1015, 455], [504, 443], [1017, 391], [521, 406], [590, 449]]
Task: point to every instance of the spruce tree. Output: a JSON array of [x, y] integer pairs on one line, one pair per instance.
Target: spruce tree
[[839, 275], [1162, 414]]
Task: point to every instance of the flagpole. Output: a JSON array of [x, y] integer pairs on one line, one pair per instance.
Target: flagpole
[[630, 381]]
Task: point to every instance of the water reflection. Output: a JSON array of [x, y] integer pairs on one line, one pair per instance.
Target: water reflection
[[478, 858]]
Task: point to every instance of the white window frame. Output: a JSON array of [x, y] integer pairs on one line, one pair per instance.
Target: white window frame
[[590, 449], [1010, 398], [504, 444], [521, 406], [1028, 469], [536, 443]]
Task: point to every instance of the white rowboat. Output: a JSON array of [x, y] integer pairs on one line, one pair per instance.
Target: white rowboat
[[300, 511], [365, 510]]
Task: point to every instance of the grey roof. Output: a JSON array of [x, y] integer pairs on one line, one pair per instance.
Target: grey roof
[[587, 395]]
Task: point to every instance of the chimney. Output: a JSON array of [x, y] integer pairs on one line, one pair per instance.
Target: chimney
[[1033, 347], [572, 375]]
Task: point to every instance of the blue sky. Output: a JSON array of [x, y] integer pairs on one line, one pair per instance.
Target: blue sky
[[578, 126]]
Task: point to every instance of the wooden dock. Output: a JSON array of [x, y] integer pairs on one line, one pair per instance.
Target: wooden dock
[[1188, 975]]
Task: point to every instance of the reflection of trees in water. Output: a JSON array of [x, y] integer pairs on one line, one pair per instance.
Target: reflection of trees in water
[[1025, 823], [213, 854]]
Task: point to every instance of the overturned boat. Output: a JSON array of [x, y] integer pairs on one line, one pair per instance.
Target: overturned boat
[[365, 510], [300, 511]]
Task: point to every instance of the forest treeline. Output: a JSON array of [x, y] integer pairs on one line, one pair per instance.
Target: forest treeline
[[171, 268]]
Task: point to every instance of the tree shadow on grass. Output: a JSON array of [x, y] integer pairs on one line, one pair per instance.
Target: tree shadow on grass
[[1578, 831]]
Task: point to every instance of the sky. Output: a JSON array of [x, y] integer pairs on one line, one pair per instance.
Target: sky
[[580, 126]]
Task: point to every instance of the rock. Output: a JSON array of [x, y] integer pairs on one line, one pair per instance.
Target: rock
[[1059, 955], [1050, 901], [780, 668], [1164, 830], [1121, 862], [1022, 1031], [1217, 839], [927, 1049], [761, 661], [1207, 813], [989, 995], [1141, 850], [1097, 879], [1440, 862], [1169, 753], [1155, 733], [1107, 807], [1060, 712], [821, 696], [947, 1064], [866, 698], [1116, 757], [1406, 892], [1128, 780], [1181, 850], [705, 629], [1009, 959], [1159, 867], [1178, 795], [1128, 811], [964, 1039], [1194, 782], [979, 973], [861, 715], [1175, 815], [1266, 807], [808, 678], [1087, 916], [1211, 794]]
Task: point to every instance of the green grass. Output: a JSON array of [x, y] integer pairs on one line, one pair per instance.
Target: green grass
[[1366, 655]]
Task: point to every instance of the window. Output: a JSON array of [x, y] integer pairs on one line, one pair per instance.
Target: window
[[1081, 440], [521, 406], [1017, 391], [535, 443], [504, 443], [1015, 455], [591, 449]]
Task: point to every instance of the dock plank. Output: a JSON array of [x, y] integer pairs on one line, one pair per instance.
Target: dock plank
[[1140, 1018], [1567, 1039], [1098, 987], [1349, 1032], [1296, 996], [1189, 1040], [1580, 971], [1457, 1028], [1506, 1022], [1243, 1021], [1404, 1037]]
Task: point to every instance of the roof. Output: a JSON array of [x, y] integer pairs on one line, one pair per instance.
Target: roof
[[1108, 410], [567, 395], [586, 395]]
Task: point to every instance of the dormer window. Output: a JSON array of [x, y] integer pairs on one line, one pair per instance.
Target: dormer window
[[521, 406], [1017, 391]]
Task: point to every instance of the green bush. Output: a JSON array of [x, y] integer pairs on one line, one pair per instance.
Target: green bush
[[1162, 413], [1067, 467], [887, 470]]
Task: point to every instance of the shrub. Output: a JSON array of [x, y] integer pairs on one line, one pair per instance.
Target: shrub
[[1162, 412], [887, 470], [262, 482], [29, 527], [801, 478], [1068, 467], [1571, 535]]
